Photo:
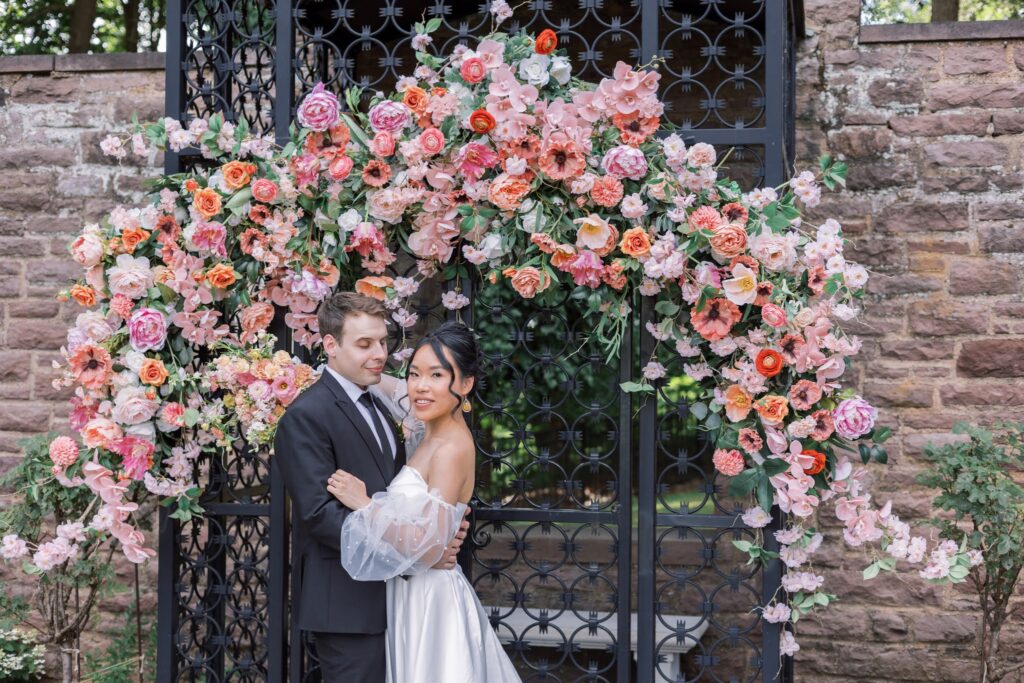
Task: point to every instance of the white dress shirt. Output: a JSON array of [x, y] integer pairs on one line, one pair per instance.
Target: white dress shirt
[[354, 392]]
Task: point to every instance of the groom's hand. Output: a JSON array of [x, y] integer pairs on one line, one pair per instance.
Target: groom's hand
[[448, 560]]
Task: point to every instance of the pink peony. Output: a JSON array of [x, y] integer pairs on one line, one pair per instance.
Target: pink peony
[[389, 117], [147, 330], [319, 109], [130, 276], [133, 405], [854, 418], [87, 249], [728, 461], [586, 268], [625, 162], [63, 452]]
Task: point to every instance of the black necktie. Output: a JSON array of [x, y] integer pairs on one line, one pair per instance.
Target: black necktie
[[378, 426]]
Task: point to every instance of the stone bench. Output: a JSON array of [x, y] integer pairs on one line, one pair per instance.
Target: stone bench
[[602, 639]]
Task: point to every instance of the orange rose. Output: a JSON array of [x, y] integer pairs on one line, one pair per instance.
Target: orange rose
[[772, 408], [374, 286], [819, 462], [415, 98], [728, 241], [529, 281], [191, 185], [133, 237], [153, 372], [507, 191], [481, 121], [635, 242], [237, 174], [221, 276], [546, 43], [85, 296], [769, 362], [207, 202]]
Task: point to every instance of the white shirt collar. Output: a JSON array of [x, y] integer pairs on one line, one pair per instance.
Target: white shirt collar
[[350, 387]]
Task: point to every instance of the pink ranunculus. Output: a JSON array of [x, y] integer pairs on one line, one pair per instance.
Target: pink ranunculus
[[383, 144], [624, 161], [264, 190], [389, 117], [340, 167], [473, 70], [773, 316], [854, 418], [319, 109], [431, 141], [147, 330]]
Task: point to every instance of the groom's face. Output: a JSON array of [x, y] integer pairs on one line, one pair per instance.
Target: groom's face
[[360, 351]]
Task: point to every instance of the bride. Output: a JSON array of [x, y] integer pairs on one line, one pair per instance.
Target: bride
[[437, 629]]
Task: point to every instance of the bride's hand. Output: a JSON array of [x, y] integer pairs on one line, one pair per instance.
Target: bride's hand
[[348, 489]]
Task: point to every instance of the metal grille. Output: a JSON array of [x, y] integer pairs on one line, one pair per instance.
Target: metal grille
[[602, 538]]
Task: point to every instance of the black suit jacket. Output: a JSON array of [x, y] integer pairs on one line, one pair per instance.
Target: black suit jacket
[[323, 431]]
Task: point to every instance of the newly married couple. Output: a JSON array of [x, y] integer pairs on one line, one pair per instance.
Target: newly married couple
[[378, 533]]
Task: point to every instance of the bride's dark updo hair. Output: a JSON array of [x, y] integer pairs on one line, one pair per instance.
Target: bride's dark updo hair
[[461, 343]]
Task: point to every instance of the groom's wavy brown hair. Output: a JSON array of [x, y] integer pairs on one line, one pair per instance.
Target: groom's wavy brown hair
[[335, 308]]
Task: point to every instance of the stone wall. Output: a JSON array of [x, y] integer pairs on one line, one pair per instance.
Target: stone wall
[[53, 178], [932, 132]]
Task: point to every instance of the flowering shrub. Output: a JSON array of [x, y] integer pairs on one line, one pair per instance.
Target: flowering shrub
[[492, 161], [21, 657]]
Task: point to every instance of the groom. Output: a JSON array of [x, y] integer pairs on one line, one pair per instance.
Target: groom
[[337, 424]]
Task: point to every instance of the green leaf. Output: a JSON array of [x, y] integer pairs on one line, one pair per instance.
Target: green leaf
[[667, 308], [433, 25], [238, 200], [699, 410], [191, 417], [871, 571], [743, 483], [881, 435], [824, 162], [636, 387], [764, 493], [774, 466], [743, 546]]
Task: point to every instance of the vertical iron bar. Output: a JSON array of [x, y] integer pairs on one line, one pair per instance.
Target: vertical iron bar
[[284, 84], [647, 454], [167, 569], [775, 92], [623, 649]]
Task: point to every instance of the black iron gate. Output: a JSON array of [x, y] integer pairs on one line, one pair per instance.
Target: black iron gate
[[602, 536]]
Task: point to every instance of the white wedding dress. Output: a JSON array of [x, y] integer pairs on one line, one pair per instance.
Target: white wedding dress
[[438, 631]]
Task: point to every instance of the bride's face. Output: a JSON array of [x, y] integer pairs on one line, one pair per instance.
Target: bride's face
[[430, 385]]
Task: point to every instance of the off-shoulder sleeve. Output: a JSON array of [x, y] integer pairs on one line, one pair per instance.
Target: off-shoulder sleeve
[[399, 532]]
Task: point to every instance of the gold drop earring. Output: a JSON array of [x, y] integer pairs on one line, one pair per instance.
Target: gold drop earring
[[466, 407]]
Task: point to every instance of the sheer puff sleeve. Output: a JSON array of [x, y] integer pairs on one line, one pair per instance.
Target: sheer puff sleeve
[[403, 530]]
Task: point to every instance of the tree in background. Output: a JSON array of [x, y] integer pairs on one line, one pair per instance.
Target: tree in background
[[923, 11], [30, 27]]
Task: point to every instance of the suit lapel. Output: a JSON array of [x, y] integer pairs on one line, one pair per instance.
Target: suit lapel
[[350, 411]]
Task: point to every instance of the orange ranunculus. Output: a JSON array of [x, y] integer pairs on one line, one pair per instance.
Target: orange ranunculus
[[415, 98], [83, 295], [481, 121], [374, 286], [207, 202], [772, 408], [237, 174], [738, 403], [819, 462], [153, 372], [133, 237], [546, 43], [529, 281], [769, 362], [191, 185], [221, 276], [635, 242]]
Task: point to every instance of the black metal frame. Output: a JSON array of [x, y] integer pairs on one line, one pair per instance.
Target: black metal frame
[[203, 68]]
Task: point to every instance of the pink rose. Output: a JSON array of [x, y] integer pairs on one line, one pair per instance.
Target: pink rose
[[383, 144], [87, 249], [132, 406], [854, 418], [100, 431], [431, 141], [147, 330], [264, 190], [319, 110], [473, 70], [773, 315], [389, 116], [340, 167], [625, 162]]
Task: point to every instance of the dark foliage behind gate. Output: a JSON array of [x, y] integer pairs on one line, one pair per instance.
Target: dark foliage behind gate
[[602, 536]]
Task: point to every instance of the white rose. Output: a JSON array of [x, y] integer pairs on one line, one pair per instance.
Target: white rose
[[534, 70], [561, 70], [349, 220]]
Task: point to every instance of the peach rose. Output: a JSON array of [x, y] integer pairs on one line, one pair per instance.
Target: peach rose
[[264, 190], [415, 98], [728, 241], [374, 286], [635, 242], [83, 295], [99, 431], [772, 408], [237, 174], [529, 281], [153, 372], [206, 202], [221, 276], [256, 318], [507, 191], [133, 237]]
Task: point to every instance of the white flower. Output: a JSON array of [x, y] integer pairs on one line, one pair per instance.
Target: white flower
[[756, 517], [534, 70], [561, 69], [653, 371], [453, 301], [12, 547], [856, 276], [420, 41], [788, 645], [500, 10], [349, 220], [778, 613], [515, 165]]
